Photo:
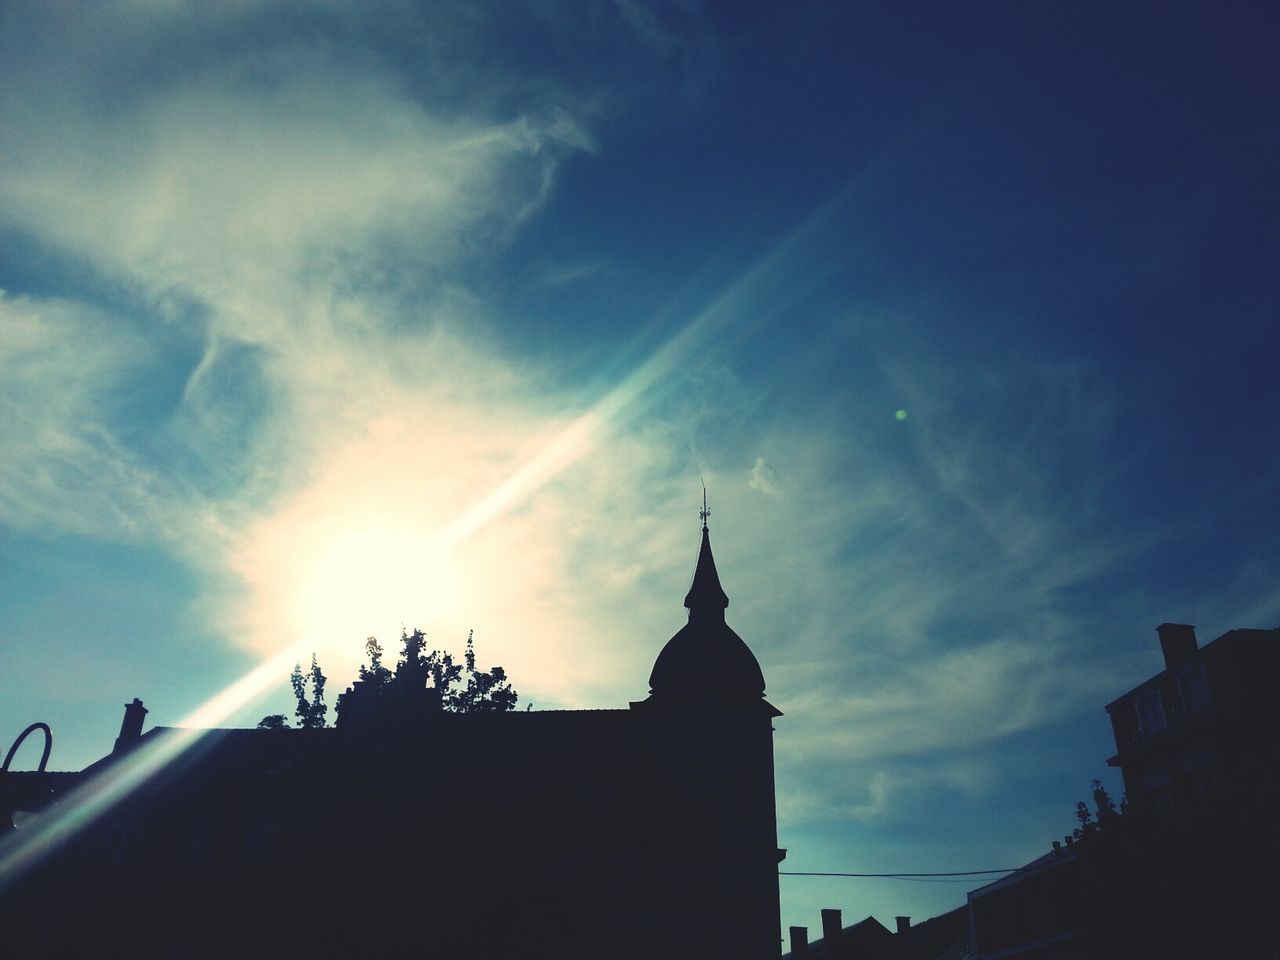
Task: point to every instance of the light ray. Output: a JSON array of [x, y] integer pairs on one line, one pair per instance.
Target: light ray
[[46, 833], [743, 301]]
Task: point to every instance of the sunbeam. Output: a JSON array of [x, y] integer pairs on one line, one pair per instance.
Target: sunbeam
[[46, 833]]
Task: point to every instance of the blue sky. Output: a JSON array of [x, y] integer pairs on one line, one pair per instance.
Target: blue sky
[[322, 320]]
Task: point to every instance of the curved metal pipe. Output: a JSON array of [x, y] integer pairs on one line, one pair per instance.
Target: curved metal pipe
[[48, 745]]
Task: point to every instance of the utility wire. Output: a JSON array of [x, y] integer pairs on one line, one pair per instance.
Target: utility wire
[[903, 876]]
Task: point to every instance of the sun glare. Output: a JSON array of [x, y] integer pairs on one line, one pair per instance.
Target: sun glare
[[373, 580]]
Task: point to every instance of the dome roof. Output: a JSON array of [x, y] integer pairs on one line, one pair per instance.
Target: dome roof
[[706, 659]]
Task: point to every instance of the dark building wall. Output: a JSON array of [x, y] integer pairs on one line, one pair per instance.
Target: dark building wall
[[633, 833], [569, 835], [1034, 912], [716, 765]]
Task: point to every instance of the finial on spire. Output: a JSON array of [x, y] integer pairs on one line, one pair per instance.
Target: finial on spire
[[704, 513]]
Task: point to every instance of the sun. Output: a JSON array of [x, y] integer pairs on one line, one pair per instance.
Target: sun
[[373, 579]]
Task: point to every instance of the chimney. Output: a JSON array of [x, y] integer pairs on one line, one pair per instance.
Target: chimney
[[131, 726], [1177, 641], [904, 924], [1057, 848], [799, 941], [832, 933]]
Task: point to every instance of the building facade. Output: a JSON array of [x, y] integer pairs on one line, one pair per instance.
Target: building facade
[[1203, 731], [1178, 874]]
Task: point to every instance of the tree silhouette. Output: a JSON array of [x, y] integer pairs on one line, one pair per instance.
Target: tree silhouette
[[388, 696], [310, 712], [375, 674], [485, 691], [462, 687], [1104, 815]]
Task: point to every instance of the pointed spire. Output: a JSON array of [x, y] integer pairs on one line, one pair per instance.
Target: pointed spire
[[706, 595]]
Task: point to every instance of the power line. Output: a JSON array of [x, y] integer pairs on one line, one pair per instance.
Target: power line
[[901, 876]]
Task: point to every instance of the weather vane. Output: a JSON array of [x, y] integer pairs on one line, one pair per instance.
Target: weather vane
[[704, 512]]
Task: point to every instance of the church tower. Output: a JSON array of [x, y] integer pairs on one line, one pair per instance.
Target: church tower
[[709, 730]]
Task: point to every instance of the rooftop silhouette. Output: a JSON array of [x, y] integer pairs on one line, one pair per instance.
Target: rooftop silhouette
[[647, 830]]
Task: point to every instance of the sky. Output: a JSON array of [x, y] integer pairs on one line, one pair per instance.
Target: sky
[[320, 321]]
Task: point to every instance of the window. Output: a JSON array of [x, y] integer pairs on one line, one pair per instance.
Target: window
[[1124, 723], [1150, 714]]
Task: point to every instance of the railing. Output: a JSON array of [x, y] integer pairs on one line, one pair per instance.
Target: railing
[[48, 746], [6, 812]]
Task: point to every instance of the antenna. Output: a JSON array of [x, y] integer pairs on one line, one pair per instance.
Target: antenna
[[705, 512]]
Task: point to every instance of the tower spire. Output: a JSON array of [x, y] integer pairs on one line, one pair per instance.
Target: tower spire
[[705, 595], [706, 660]]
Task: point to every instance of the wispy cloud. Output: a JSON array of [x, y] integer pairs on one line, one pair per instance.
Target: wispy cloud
[[347, 427], [763, 477], [929, 611], [565, 274], [63, 368]]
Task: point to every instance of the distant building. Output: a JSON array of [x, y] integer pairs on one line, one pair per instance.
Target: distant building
[[864, 939], [643, 832], [943, 937], [1180, 875]]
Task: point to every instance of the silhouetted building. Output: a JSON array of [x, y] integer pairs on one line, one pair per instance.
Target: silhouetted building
[[1204, 729], [633, 833], [1034, 912], [944, 937], [1178, 875]]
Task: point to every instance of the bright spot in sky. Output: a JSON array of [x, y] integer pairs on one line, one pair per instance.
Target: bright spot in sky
[[363, 573], [901, 415]]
